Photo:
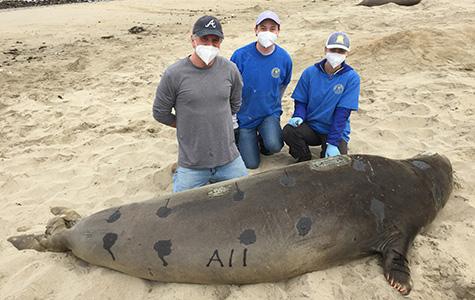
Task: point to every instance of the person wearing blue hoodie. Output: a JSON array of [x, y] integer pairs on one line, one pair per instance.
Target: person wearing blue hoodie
[[326, 94], [266, 69]]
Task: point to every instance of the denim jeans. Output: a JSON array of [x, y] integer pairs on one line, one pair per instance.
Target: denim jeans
[[186, 178], [271, 134]]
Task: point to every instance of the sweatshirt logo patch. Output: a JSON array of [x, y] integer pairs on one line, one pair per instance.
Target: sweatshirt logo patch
[[338, 89], [275, 72]]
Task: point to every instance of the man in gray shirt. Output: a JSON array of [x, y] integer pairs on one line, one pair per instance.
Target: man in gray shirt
[[205, 90]]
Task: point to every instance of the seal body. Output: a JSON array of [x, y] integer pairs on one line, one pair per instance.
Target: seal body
[[382, 2], [269, 226]]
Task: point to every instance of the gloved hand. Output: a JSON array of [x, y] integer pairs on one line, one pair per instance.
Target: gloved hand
[[295, 121], [332, 150]]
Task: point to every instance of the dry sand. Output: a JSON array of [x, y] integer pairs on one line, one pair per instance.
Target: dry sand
[[76, 130]]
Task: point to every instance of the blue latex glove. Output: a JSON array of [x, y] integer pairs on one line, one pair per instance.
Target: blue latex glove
[[332, 150], [295, 121]]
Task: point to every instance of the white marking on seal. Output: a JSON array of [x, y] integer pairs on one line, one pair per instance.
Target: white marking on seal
[[219, 191], [330, 163], [420, 164]]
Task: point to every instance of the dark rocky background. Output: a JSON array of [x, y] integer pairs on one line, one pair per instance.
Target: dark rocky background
[[26, 3]]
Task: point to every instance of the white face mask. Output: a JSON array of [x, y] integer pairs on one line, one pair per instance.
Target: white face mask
[[266, 38], [335, 59], [206, 53]]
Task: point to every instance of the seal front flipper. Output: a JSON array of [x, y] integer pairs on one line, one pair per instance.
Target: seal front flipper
[[397, 272], [395, 264]]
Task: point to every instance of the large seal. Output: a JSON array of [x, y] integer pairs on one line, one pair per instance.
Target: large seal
[[382, 2], [265, 227]]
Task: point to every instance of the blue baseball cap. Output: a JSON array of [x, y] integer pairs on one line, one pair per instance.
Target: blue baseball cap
[[338, 39]]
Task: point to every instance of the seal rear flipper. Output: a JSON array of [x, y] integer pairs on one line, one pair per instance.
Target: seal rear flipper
[[27, 241], [39, 242], [54, 238], [69, 216]]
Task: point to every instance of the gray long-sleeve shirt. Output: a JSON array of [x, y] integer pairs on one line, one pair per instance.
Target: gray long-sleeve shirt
[[204, 100]]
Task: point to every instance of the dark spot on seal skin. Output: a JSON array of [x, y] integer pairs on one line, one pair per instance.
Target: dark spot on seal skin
[[109, 240], [377, 209], [247, 237], [420, 164], [287, 180], [239, 195], [114, 217], [359, 165], [163, 248], [304, 225], [164, 211]]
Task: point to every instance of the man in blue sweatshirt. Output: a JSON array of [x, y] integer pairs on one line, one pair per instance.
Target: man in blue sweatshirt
[[266, 69], [325, 95]]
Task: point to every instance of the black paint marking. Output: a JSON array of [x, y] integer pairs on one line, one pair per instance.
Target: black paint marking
[[287, 180], [114, 217], [304, 225], [239, 195], [231, 258], [215, 257], [163, 248], [109, 240], [244, 258], [164, 211], [247, 237]]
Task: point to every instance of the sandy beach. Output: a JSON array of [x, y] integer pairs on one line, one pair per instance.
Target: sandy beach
[[76, 130]]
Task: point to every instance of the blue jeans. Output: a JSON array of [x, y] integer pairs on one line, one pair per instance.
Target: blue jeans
[[272, 141], [186, 178]]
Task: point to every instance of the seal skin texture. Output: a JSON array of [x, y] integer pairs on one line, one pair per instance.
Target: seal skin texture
[[265, 227], [382, 2]]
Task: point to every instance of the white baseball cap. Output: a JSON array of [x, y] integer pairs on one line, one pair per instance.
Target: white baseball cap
[[267, 15]]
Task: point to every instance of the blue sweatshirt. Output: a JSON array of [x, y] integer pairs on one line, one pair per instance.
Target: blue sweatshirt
[[263, 76], [318, 95]]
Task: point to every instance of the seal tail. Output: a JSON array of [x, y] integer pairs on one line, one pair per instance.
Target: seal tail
[[53, 239]]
